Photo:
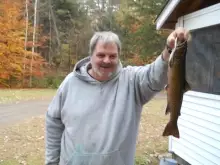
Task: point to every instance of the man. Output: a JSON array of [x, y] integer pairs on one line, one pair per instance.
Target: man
[[94, 117]]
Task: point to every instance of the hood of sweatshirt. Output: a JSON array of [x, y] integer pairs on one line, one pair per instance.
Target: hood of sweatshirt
[[81, 71]]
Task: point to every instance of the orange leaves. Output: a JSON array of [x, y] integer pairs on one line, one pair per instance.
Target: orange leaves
[[150, 59], [135, 27], [14, 60], [137, 60], [11, 12]]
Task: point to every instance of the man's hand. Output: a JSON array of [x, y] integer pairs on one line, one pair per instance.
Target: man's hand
[[182, 35]]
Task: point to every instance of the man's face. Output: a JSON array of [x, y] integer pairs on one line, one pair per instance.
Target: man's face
[[104, 60]]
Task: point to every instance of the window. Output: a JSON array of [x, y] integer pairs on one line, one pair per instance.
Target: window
[[203, 60]]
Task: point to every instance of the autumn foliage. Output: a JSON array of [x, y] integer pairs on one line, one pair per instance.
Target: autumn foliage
[[62, 36], [137, 60], [14, 60]]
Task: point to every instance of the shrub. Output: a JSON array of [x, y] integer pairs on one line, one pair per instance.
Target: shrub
[[47, 82]]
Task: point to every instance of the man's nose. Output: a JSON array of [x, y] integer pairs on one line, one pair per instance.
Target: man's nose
[[107, 60]]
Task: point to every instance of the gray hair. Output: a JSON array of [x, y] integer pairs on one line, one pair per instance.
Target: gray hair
[[106, 37]]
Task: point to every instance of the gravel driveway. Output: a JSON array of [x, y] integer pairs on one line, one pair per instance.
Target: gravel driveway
[[13, 113]]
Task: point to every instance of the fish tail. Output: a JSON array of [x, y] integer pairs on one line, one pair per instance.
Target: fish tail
[[167, 109], [171, 129]]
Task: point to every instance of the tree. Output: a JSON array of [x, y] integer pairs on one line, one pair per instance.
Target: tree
[[12, 39], [140, 38], [33, 46]]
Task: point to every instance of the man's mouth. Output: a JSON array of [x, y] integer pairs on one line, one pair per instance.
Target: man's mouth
[[106, 66]]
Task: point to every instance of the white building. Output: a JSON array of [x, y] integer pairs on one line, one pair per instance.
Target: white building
[[199, 123]]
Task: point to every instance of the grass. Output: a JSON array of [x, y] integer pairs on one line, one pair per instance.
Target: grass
[[23, 143], [16, 95], [151, 145]]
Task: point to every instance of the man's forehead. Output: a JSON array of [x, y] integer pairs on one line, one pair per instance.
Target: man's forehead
[[104, 44]]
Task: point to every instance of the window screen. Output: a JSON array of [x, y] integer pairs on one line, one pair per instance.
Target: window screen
[[203, 60]]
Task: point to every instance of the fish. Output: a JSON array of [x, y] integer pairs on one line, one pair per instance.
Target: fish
[[176, 86]]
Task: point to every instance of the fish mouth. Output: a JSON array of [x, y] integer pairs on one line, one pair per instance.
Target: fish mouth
[[176, 46]]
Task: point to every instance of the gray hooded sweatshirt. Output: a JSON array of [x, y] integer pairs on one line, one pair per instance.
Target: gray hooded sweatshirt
[[96, 123]]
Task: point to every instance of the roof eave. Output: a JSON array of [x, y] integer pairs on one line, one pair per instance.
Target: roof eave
[[165, 13]]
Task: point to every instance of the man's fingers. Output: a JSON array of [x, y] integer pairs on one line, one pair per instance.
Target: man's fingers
[[181, 36], [187, 36], [174, 34], [179, 33], [171, 42], [171, 39]]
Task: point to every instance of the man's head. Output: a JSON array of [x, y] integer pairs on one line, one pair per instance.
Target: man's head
[[104, 50]]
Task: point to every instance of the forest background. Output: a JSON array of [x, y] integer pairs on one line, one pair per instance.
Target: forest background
[[41, 40]]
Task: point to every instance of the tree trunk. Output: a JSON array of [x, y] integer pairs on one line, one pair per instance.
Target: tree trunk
[[49, 58], [110, 10], [25, 43], [37, 23], [33, 46], [103, 5], [55, 26]]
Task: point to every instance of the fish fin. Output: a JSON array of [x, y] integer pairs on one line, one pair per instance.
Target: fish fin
[[171, 59], [171, 129], [167, 109], [186, 87], [171, 62], [166, 87]]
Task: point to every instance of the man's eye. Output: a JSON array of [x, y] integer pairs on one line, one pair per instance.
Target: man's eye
[[101, 55], [113, 56]]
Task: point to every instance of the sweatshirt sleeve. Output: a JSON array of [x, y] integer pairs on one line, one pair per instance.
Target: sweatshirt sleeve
[[150, 79], [54, 129]]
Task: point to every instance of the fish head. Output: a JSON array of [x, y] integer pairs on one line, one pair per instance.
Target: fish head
[[178, 53]]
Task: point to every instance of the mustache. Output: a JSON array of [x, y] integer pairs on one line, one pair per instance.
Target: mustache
[[104, 65]]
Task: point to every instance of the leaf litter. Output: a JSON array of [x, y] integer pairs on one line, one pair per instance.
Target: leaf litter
[[23, 143]]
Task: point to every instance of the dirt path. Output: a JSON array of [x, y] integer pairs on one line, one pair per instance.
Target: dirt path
[[22, 132], [13, 113]]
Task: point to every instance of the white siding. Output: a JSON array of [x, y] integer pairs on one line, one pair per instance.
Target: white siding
[[199, 126], [196, 19]]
